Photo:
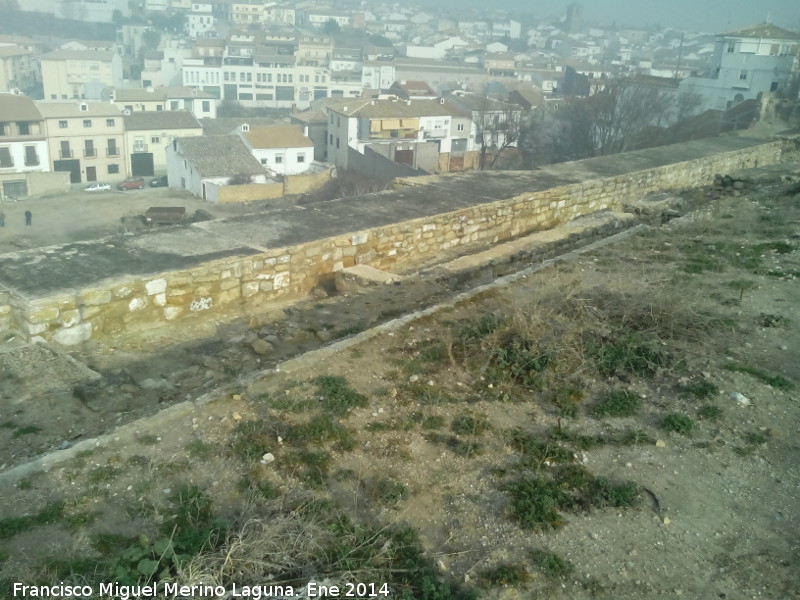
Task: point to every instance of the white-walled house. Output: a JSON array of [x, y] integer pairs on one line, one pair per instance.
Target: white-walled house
[[283, 149], [195, 162], [746, 62], [23, 141], [412, 132]]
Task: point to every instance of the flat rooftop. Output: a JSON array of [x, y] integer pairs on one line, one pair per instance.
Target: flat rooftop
[[43, 272]]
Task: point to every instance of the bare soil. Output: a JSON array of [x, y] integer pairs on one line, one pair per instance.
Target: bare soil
[[717, 513]]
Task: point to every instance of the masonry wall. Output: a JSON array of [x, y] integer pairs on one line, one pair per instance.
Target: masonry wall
[[39, 183], [292, 184], [285, 273]]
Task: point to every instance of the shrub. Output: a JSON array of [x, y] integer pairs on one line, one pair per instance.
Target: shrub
[[678, 423], [617, 404]]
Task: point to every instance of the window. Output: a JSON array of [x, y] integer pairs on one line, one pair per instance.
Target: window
[[731, 47], [337, 142], [24, 127], [31, 158], [331, 140], [263, 161], [87, 122], [155, 139], [301, 158], [206, 106], [111, 149], [460, 127], [279, 159], [743, 75], [113, 169], [159, 107], [110, 122], [225, 76], [129, 108], [88, 149], [53, 96], [62, 124], [5, 158]]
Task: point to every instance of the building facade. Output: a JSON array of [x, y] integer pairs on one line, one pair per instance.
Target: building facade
[[80, 74], [147, 135], [86, 139], [746, 62]]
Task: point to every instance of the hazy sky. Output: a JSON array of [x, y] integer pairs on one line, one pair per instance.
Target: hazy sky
[[702, 15]]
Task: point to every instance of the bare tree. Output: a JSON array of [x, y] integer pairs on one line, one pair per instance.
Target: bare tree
[[623, 109], [497, 126], [623, 115]]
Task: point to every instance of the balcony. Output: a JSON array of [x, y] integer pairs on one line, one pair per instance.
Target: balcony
[[32, 162], [140, 148], [89, 153], [112, 151], [66, 154]]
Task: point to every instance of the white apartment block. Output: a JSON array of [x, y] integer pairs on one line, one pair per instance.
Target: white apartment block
[[200, 21]]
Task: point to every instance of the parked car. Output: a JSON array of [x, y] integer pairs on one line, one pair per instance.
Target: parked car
[[159, 181], [131, 183], [98, 187]]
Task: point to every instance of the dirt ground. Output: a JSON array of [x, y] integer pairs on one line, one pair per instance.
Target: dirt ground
[[718, 508], [81, 215]]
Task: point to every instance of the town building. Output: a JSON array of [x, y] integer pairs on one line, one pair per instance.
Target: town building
[[167, 98], [80, 74], [18, 68], [85, 139], [201, 164], [283, 149], [745, 63], [147, 135], [23, 141], [415, 133]]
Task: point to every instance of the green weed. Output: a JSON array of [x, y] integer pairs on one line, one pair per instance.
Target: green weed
[[550, 563], [710, 412], [777, 381], [512, 574], [337, 396], [628, 353], [702, 389], [11, 526], [466, 424], [678, 423], [617, 404]]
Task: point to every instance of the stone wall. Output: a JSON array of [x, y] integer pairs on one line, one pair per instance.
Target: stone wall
[[7, 314], [284, 273], [39, 184], [292, 184], [302, 184], [225, 194]]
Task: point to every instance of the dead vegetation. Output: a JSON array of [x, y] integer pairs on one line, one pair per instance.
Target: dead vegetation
[[433, 460]]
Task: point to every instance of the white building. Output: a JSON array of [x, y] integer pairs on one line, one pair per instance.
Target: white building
[[283, 149], [195, 162], [23, 142], [411, 132], [746, 62], [200, 21]]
